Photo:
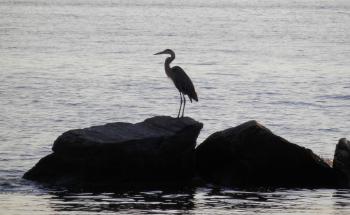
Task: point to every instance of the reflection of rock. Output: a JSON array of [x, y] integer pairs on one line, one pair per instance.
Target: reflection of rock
[[341, 161], [124, 201], [160, 149], [250, 155]]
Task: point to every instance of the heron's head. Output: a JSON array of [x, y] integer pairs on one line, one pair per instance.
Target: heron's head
[[166, 51]]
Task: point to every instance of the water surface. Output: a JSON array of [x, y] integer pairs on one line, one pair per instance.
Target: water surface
[[72, 64]]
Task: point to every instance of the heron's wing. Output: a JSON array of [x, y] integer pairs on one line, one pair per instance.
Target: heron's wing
[[183, 82]]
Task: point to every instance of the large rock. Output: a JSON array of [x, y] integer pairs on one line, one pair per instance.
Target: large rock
[[341, 161], [158, 150], [250, 155]]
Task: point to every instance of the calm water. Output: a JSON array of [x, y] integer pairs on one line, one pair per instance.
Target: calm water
[[72, 64]]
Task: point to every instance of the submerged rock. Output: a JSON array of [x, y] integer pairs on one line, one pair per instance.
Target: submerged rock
[[157, 150], [341, 161], [250, 155]]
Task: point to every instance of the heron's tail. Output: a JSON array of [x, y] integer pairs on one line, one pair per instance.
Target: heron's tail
[[194, 96]]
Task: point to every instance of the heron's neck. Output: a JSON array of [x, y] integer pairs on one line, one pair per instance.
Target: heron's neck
[[167, 63]]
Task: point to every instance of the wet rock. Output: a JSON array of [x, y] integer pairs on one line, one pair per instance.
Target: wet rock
[[250, 155], [157, 150], [341, 162]]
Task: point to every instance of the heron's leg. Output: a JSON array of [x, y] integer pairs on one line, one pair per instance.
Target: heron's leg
[[183, 109], [178, 115]]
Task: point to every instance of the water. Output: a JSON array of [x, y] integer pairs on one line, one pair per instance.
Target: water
[[72, 64]]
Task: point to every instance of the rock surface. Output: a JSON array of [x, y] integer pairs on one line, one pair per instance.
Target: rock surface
[[250, 155], [341, 161], [159, 149]]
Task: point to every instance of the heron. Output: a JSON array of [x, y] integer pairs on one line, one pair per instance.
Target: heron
[[181, 80]]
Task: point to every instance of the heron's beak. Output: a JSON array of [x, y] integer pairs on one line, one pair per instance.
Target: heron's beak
[[159, 53]]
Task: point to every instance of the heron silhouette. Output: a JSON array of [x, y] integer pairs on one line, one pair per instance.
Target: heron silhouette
[[181, 80]]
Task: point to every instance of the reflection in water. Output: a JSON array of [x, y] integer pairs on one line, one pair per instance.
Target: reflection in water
[[341, 198], [206, 200], [200, 200], [155, 200]]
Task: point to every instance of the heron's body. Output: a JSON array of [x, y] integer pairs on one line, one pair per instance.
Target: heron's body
[[181, 80]]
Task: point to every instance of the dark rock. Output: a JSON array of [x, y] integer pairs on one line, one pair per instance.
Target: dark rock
[[160, 149], [250, 155], [341, 162]]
